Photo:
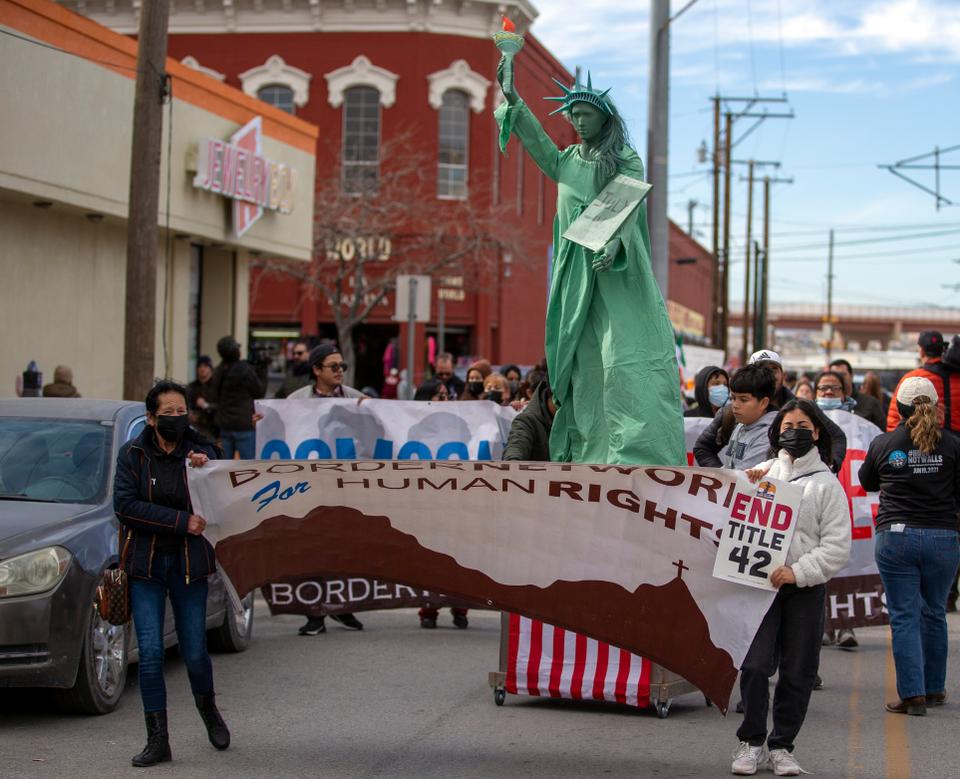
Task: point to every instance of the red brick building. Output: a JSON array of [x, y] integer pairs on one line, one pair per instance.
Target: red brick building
[[365, 72]]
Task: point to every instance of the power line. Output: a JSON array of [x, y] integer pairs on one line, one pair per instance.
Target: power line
[[903, 254], [862, 241]]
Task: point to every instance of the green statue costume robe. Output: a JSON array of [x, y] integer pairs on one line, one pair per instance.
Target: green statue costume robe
[[609, 342]]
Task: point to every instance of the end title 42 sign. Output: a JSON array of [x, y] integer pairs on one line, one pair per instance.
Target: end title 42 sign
[[756, 538]]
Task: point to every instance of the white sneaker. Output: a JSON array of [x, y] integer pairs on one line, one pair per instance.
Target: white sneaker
[[847, 639], [784, 763], [746, 759]]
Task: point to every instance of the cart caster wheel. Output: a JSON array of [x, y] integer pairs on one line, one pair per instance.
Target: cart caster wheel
[[499, 696], [707, 701], [663, 709]]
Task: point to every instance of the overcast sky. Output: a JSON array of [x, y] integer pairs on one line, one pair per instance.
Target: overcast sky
[[870, 81]]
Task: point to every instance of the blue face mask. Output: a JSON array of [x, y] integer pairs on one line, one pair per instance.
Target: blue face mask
[[829, 404], [718, 394]]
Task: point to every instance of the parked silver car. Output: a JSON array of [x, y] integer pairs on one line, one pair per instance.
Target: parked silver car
[[58, 533]]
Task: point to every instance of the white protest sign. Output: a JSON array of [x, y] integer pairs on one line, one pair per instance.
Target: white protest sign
[[757, 534]]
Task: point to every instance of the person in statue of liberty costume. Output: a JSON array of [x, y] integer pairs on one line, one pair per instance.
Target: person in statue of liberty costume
[[609, 342]]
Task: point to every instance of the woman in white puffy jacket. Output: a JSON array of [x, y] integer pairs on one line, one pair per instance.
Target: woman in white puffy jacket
[[789, 637]]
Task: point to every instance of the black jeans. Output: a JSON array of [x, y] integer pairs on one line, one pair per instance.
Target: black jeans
[[788, 640]]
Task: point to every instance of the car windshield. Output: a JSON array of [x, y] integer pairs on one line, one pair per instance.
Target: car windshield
[[53, 460]]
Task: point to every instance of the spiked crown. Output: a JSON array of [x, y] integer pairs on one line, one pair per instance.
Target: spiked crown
[[580, 94]]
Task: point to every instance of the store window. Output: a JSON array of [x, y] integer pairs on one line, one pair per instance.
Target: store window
[[454, 144], [361, 140], [279, 96]]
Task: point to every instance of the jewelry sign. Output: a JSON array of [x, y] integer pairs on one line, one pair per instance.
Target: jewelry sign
[[758, 532], [236, 169]]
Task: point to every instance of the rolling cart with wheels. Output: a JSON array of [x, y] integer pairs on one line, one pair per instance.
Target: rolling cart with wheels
[[539, 659]]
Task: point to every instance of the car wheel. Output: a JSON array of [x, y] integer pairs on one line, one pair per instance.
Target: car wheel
[[102, 674], [234, 633]]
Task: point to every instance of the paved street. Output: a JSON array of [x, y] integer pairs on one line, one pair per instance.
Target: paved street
[[396, 700]]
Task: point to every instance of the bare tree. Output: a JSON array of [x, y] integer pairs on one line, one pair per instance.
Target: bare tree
[[396, 225]]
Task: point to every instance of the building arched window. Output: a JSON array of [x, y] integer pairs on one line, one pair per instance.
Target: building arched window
[[454, 145], [361, 140], [278, 95]]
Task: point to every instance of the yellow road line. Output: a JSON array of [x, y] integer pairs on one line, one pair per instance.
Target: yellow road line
[[896, 739], [854, 742]]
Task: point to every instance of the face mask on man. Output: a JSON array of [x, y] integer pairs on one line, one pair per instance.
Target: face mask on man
[[514, 387], [172, 427], [475, 388], [829, 404], [718, 394], [797, 441]]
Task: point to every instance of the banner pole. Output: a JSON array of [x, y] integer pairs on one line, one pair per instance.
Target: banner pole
[[411, 328]]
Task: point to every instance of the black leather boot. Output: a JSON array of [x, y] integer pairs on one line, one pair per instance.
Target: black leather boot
[[216, 728], [157, 749]]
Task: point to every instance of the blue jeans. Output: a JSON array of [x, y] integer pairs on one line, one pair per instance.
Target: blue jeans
[[917, 566], [242, 441], [189, 601]]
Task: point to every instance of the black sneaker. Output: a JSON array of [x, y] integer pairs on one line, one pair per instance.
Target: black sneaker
[[818, 683], [428, 623], [460, 621], [313, 627], [348, 621]]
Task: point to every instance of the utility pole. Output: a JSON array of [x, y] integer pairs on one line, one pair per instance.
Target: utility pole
[[760, 329], [744, 353], [754, 108], [657, 141], [757, 332], [718, 278], [725, 291], [150, 93], [830, 300]]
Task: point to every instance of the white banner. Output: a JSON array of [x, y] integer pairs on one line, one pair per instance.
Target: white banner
[[367, 429], [623, 554]]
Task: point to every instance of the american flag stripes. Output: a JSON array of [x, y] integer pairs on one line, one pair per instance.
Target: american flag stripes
[[544, 660]]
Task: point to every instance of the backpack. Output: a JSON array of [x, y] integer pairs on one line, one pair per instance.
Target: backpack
[[944, 369]]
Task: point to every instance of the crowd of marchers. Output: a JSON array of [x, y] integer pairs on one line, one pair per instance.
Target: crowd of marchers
[[764, 420]]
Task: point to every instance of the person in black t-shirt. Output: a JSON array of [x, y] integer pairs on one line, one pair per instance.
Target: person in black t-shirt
[[916, 468]]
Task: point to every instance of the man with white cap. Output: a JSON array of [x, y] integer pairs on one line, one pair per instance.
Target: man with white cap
[[916, 469], [717, 434]]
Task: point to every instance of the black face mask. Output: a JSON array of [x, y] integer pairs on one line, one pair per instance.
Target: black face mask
[[302, 368], [172, 427], [475, 388], [496, 396], [797, 441]]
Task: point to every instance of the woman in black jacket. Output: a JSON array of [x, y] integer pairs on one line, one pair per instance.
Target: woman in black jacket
[[916, 468], [165, 555]]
